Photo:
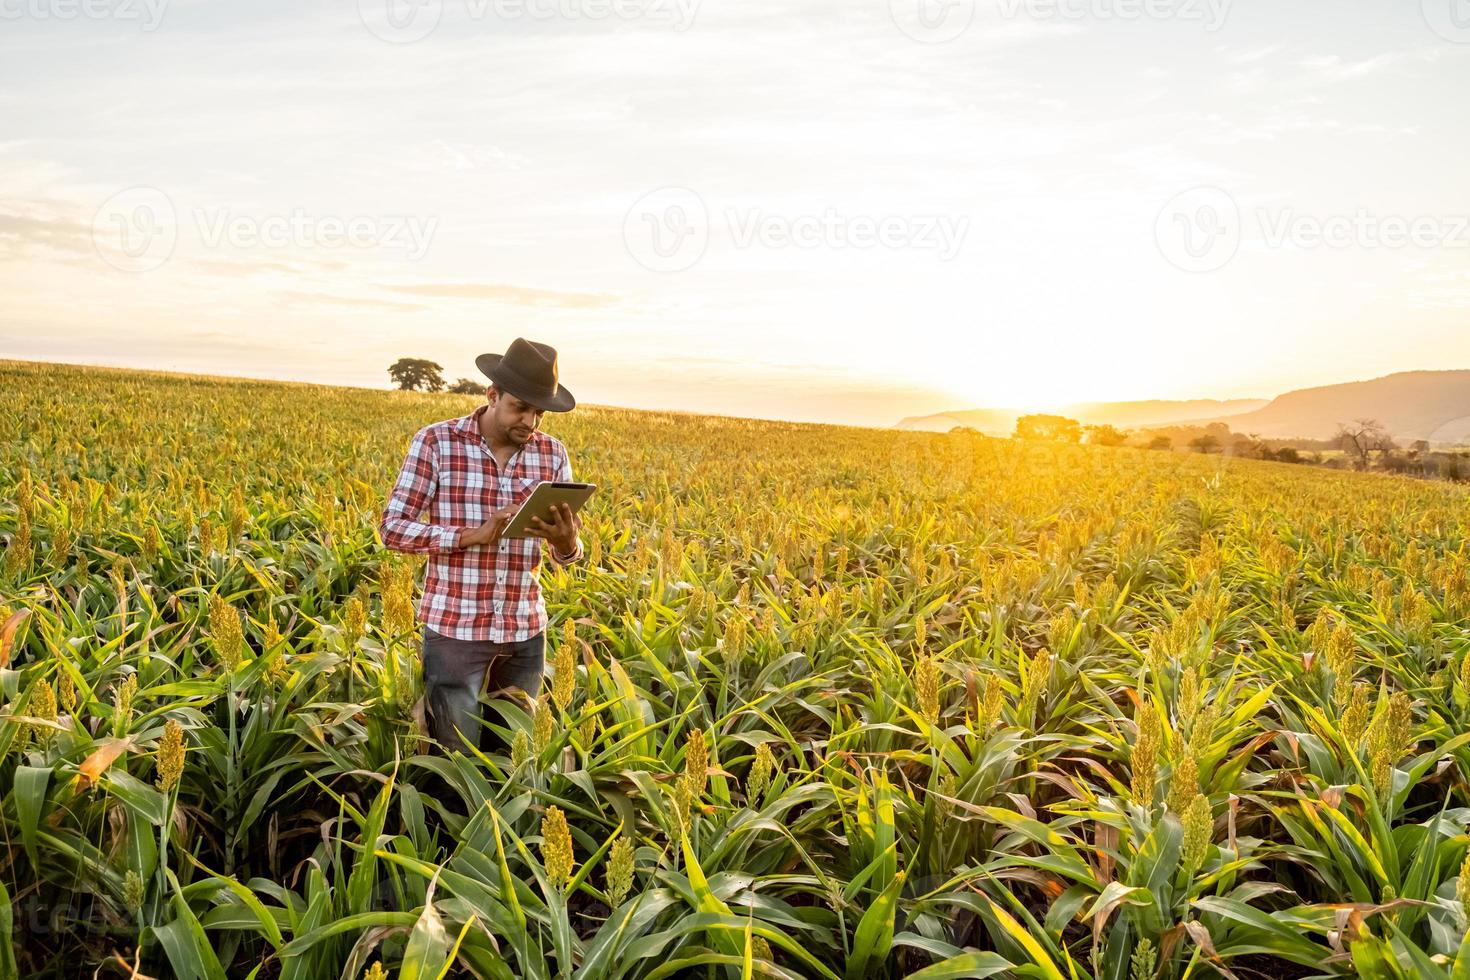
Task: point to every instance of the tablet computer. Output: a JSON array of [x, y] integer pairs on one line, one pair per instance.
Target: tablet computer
[[540, 502]]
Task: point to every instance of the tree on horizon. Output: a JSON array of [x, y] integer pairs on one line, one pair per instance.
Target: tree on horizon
[[1363, 438], [417, 374], [1054, 428]]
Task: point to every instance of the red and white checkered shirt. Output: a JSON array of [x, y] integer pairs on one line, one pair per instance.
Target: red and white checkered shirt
[[483, 592]]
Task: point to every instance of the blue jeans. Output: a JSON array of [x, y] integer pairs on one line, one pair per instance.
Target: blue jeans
[[458, 672]]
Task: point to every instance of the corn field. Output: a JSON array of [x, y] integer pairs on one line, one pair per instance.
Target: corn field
[[821, 702]]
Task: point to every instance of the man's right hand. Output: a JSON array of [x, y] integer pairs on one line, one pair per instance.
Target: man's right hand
[[489, 532]]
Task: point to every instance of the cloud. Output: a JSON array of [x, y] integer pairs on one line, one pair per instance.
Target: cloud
[[20, 231], [293, 297], [1332, 68], [1251, 55], [234, 268], [513, 295]]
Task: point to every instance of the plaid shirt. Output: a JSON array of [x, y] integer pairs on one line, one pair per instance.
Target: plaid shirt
[[483, 592]]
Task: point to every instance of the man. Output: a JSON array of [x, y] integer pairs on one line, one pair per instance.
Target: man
[[483, 614]]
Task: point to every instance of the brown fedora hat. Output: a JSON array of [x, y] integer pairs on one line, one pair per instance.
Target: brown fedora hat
[[528, 371]]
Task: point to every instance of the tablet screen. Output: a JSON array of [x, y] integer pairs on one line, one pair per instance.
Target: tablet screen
[[540, 502]]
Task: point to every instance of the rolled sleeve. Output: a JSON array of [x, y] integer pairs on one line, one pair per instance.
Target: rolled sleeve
[[571, 559], [414, 491], [564, 475]]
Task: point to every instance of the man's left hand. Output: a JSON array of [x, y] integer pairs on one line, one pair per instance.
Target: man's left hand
[[560, 531]]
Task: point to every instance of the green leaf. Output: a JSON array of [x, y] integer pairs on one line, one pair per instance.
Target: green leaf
[[974, 966], [707, 900], [144, 800], [874, 937], [426, 956], [1045, 966], [1374, 959], [8, 970], [1461, 969], [364, 873], [29, 792], [518, 938], [269, 928], [188, 948]]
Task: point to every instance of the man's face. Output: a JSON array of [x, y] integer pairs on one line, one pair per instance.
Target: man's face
[[512, 419]]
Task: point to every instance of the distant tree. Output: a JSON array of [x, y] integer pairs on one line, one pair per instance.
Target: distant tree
[[1420, 447], [1251, 447], [1206, 443], [468, 386], [1053, 428], [1395, 462], [1363, 438], [1288, 454], [1105, 435], [1161, 442], [964, 430], [417, 374]]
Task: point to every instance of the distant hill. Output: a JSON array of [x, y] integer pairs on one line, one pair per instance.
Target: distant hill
[[1433, 405], [1124, 415]]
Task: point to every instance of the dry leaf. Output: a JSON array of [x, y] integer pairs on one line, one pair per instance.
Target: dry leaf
[[102, 759], [7, 633]]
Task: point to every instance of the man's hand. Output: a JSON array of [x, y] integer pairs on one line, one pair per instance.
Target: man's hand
[[560, 531], [490, 531]]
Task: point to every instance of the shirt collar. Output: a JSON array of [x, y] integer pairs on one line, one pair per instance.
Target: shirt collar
[[469, 425]]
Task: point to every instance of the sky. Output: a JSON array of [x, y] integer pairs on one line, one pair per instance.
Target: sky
[[826, 210]]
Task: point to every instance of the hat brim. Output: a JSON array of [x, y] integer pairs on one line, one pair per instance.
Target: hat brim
[[562, 401]]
